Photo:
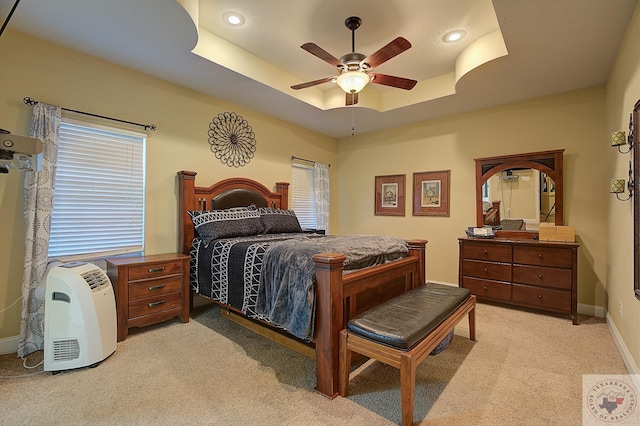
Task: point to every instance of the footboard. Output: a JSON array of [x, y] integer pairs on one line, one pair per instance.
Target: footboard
[[340, 297]]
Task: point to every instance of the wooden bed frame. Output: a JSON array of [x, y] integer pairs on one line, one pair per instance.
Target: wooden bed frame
[[492, 217], [338, 297]]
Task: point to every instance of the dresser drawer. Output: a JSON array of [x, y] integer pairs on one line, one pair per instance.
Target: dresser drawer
[[486, 251], [153, 288], [543, 298], [543, 256], [155, 304], [153, 270], [486, 270], [488, 289], [541, 276]]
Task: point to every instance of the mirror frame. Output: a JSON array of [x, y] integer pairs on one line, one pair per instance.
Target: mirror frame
[[548, 162], [636, 199]]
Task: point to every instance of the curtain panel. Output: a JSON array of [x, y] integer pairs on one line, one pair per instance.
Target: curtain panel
[[321, 176], [38, 206]]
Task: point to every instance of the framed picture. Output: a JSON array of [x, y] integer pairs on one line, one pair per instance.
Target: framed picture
[[431, 193], [390, 195]]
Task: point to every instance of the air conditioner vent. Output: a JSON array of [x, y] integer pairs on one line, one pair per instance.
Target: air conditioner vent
[[95, 279], [66, 350]]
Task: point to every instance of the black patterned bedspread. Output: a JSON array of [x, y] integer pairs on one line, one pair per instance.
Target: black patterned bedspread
[[272, 277]]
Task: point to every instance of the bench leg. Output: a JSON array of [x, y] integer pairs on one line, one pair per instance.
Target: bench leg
[[407, 387], [345, 365], [472, 320]]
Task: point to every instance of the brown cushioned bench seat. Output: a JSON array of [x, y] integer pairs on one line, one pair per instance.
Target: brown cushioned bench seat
[[403, 331], [406, 319]]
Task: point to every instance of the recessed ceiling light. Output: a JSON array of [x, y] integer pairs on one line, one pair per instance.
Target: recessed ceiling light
[[233, 18], [453, 36]]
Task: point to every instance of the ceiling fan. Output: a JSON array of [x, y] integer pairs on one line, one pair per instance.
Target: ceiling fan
[[354, 69]]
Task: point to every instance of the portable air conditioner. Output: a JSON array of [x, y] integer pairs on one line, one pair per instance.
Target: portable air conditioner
[[80, 326]]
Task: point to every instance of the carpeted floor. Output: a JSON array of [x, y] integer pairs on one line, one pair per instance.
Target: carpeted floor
[[524, 369]]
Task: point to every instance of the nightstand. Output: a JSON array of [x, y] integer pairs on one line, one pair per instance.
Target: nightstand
[[149, 289]]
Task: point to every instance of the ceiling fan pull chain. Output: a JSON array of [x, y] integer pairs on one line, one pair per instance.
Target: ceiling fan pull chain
[[353, 120]]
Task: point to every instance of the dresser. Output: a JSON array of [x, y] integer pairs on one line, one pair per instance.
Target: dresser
[[527, 273], [149, 289]]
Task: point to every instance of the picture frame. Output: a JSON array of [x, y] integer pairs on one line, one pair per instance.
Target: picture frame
[[431, 193], [390, 195]]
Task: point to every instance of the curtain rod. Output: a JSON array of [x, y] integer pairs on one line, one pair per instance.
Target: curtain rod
[[31, 102], [293, 157], [6, 21]]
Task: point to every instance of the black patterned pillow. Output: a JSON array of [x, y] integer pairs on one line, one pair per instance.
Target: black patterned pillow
[[276, 221], [214, 224]]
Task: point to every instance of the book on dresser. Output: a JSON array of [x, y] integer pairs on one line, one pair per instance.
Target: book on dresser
[[528, 273]]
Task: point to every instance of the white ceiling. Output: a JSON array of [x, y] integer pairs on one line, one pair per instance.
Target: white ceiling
[[514, 50]]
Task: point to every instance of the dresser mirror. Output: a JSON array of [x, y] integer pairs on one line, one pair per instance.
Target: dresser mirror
[[518, 192]]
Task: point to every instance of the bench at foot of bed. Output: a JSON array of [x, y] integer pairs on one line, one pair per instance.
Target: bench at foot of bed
[[403, 331]]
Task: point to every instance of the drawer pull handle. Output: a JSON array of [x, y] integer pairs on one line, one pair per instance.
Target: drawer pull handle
[[540, 276], [486, 270], [484, 288], [540, 256], [159, 269], [540, 296], [485, 251], [156, 287], [152, 304]]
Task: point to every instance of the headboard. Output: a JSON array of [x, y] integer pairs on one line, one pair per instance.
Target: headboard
[[233, 192]]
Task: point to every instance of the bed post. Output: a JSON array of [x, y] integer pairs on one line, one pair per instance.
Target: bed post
[[187, 201], [329, 320], [283, 188], [417, 248]]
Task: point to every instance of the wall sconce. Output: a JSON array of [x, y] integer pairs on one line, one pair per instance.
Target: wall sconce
[[618, 186], [619, 138]]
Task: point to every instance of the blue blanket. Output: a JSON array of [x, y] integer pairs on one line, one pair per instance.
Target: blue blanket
[[286, 293]]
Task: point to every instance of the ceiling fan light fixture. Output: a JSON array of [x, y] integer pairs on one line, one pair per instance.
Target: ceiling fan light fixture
[[353, 81]]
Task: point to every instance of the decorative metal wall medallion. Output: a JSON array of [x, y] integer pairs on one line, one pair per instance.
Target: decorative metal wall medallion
[[232, 140]]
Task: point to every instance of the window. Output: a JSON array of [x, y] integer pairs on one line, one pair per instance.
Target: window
[[303, 195], [98, 207]]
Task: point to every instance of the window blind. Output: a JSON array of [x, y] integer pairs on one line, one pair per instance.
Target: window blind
[[303, 196], [98, 205]]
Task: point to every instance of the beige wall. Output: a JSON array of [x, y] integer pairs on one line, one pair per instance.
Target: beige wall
[[572, 121], [623, 91], [63, 77]]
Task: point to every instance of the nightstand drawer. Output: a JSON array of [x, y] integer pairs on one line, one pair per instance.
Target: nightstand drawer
[[152, 270], [155, 304], [153, 288]]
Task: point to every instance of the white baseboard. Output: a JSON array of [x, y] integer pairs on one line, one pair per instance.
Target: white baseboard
[[591, 310], [9, 345], [629, 362]]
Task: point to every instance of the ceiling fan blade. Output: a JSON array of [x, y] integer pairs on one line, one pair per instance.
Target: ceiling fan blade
[[312, 83], [318, 51], [351, 99], [393, 81], [387, 52]]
